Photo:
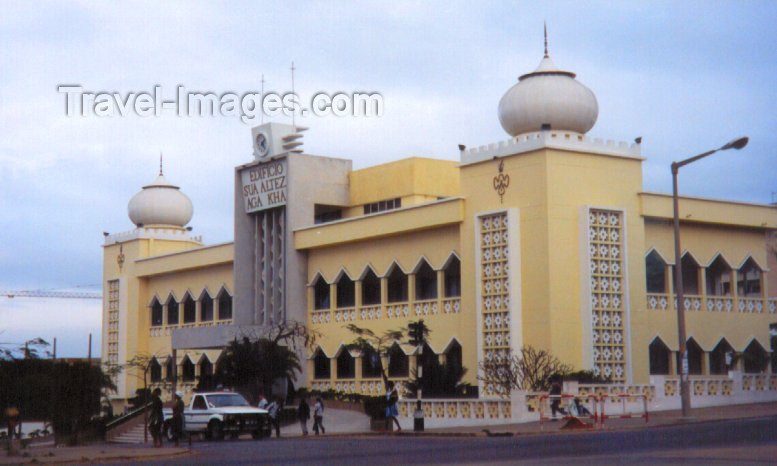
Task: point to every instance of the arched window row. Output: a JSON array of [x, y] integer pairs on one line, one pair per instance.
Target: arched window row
[[188, 370], [427, 283], [370, 365], [722, 358], [716, 286], [191, 309]]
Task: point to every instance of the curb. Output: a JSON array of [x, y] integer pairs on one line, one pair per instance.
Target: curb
[[91, 459]]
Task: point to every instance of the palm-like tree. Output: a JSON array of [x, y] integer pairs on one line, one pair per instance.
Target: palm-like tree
[[251, 366]]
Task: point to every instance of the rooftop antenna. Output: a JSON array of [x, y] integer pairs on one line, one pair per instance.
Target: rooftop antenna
[[293, 111], [160, 163], [545, 27], [261, 99]]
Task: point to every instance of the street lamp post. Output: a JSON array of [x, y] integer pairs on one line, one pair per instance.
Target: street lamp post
[[685, 394]]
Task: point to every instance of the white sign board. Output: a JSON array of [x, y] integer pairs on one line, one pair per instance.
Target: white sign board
[[264, 186]]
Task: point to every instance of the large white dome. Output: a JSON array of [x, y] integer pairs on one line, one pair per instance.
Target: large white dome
[[548, 96], [160, 203]]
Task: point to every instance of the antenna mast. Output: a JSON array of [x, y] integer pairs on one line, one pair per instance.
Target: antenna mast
[[261, 101], [293, 110]]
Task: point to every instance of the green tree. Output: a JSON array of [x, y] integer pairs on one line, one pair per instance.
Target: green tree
[[30, 349], [366, 341], [68, 394], [252, 363], [76, 393]]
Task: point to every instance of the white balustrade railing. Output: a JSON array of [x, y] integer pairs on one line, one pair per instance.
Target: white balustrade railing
[[400, 310]]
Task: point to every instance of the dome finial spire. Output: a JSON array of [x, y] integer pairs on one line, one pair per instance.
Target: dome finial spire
[[545, 28], [160, 163]]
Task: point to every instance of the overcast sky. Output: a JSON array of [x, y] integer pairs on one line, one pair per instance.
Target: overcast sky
[[686, 76]]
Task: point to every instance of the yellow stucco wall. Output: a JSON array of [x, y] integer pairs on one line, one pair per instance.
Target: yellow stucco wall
[[551, 190], [550, 187], [404, 178], [154, 266], [704, 242], [436, 246]]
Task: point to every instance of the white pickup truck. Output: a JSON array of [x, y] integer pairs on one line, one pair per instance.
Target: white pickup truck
[[218, 413]]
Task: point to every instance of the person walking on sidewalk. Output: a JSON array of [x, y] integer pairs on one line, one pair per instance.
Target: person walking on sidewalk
[[262, 403], [177, 424], [156, 418], [555, 399], [303, 413], [318, 416], [391, 404], [274, 408]]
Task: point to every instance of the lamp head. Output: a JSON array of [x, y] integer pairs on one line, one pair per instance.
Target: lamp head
[[736, 143]]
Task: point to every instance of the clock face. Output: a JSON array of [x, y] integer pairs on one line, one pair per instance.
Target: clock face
[[262, 145]]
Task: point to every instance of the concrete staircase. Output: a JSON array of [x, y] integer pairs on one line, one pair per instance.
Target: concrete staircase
[[133, 434]]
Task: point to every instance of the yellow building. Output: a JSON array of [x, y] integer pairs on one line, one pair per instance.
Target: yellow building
[[545, 239]]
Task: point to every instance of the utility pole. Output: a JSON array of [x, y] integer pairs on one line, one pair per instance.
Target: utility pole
[[89, 353], [175, 372], [54, 354], [416, 331]]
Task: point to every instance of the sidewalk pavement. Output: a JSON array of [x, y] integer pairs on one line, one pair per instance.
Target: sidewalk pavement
[[90, 454], [345, 422], [655, 419]]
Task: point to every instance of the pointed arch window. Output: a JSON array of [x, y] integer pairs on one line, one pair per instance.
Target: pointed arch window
[[721, 358], [157, 313], [155, 371], [346, 291], [755, 358], [225, 305], [322, 367], [398, 361], [655, 273], [169, 369], [425, 282], [206, 374], [206, 307], [189, 309], [172, 311], [320, 294], [695, 355], [749, 279], [371, 364], [659, 357], [397, 285], [719, 278], [187, 370], [453, 278], [370, 288], [454, 367], [346, 365], [690, 275]]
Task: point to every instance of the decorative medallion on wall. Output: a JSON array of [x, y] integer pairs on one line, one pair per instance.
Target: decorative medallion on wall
[[605, 252], [501, 181], [120, 257]]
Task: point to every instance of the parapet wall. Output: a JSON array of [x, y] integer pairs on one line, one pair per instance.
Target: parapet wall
[[563, 140]]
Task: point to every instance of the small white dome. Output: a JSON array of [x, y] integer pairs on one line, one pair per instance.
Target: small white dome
[[160, 203], [548, 96]]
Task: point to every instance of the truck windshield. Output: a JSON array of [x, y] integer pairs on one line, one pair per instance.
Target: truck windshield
[[227, 399]]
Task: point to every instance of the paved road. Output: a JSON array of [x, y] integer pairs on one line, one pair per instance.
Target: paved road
[[748, 441]]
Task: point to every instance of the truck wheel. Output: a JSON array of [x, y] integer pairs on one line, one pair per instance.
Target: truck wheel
[[216, 430]]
